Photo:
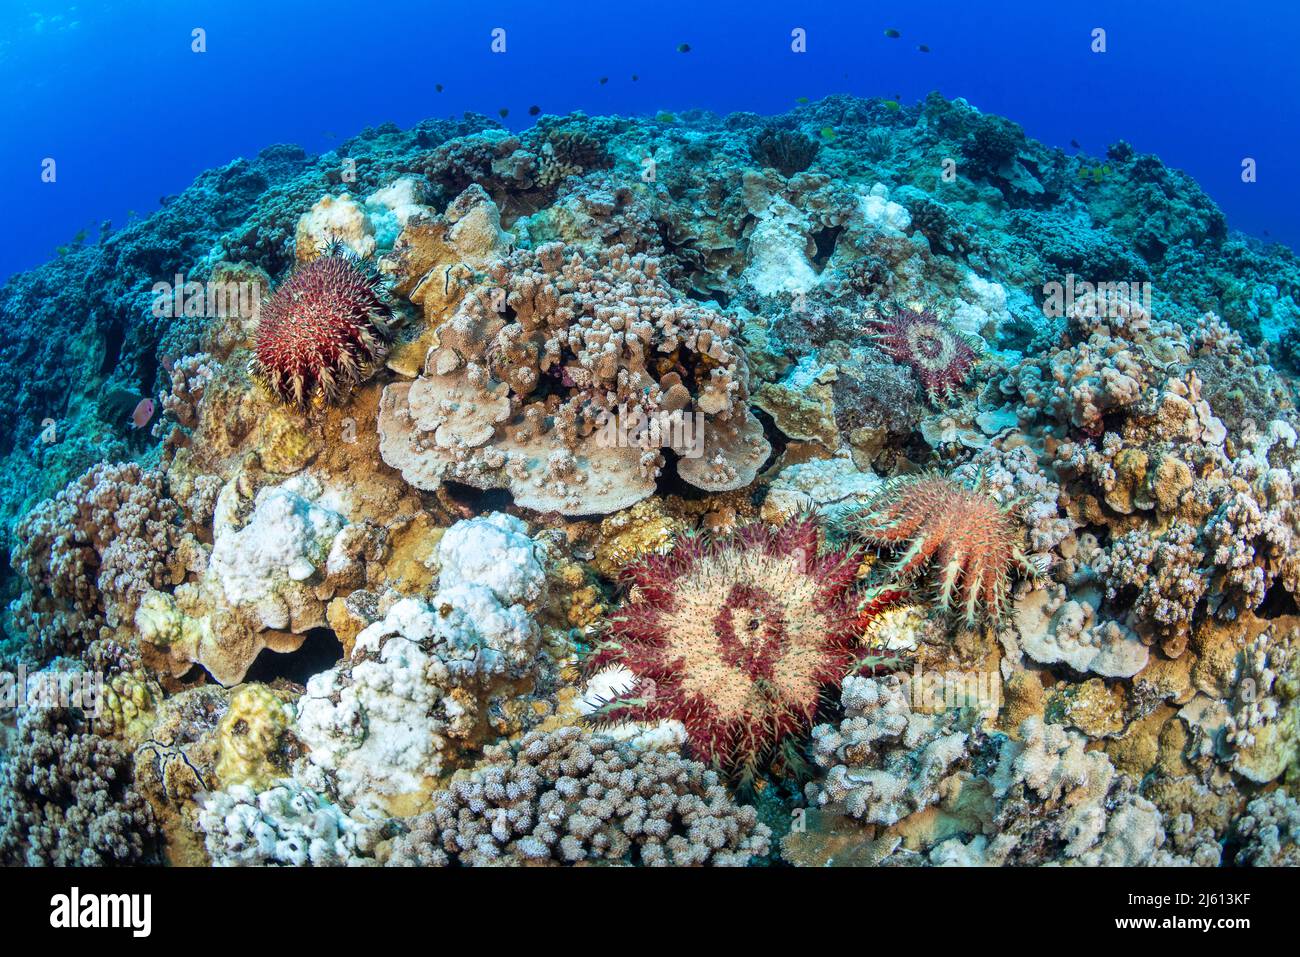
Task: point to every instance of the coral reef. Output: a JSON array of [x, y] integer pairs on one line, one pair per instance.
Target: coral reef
[[574, 481]]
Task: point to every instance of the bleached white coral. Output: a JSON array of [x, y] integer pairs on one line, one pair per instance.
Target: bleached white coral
[[287, 538], [287, 824], [879, 211], [496, 552], [778, 258], [420, 682], [884, 762]]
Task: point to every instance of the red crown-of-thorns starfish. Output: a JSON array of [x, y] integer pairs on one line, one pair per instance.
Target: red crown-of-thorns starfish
[[737, 638], [940, 356], [976, 543], [322, 330]]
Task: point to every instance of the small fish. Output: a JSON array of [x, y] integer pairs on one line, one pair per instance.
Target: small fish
[[922, 48], [891, 105], [683, 48], [438, 87], [142, 414], [635, 78], [801, 99], [534, 110], [604, 80], [503, 112], [828, 133], [892, 33]]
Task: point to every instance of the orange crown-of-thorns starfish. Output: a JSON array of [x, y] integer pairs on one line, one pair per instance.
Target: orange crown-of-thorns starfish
[[975, 543]]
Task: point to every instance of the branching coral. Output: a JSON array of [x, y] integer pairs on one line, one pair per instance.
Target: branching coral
[[737, 638], [1269, 832], [68, 799], [1262, 732], [89, 555], [564, 382], [567, 797], [884, 762], [1165, 572], [976, 542]]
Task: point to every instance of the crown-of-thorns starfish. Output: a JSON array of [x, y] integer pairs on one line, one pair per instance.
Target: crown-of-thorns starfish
[[322, 330], [940, 356], [975, 543], [737, 638]]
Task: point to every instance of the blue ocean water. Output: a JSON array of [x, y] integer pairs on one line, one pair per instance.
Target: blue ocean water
[[114, 93]]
